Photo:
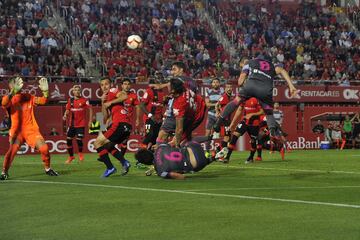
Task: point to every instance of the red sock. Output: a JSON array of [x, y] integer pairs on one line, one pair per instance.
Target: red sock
[[9, 156], [45, 155], [343, 144]]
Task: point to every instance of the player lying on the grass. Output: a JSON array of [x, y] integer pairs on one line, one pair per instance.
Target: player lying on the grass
[[119, 106], [173, 162], [24, 127]]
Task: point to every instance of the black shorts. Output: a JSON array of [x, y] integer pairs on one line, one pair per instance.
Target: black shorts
[[152, 129], [263, 92], [253, 131], [169, 125], [199, 154], [75, 131], [118, 132]]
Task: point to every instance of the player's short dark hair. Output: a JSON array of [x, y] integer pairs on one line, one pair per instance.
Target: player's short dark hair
[[144, 156], [215, 79], [177, 85], [125, 80], [180, 65], [105, 78]]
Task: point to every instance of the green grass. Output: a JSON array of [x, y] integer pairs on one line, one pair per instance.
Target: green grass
[[138, 207]]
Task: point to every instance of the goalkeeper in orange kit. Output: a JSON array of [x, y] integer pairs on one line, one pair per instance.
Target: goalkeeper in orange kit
[[24, 127]]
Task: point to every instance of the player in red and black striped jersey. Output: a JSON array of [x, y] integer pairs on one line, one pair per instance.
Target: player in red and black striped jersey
[[118, 107], [172, 124], [188, 111], [152, 104], [250, 124], [75, 115]]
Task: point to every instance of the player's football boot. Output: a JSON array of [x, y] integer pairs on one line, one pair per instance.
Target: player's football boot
[[109, 172], [222, 154], [249, 160], [258, 159], [224, 160], [125, 167], [150, 171], [282, 153], [81, 157], [4, 176], [69, 160], [51, 172]]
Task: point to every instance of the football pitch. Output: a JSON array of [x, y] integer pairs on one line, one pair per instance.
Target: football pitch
[[310, 195]]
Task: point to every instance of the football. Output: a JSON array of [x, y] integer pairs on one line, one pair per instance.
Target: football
[[134, 41]]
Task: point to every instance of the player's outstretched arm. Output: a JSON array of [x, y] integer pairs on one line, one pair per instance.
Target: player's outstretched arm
[[120, 97], [285, 75], [242, 78], [160, 85], [175, 175], [259, 113]]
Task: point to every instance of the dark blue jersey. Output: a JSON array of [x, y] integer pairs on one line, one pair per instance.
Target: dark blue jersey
[[260, 70], [170, 159]]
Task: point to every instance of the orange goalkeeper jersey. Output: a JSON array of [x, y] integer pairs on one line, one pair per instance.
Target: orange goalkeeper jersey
[[21, 110]]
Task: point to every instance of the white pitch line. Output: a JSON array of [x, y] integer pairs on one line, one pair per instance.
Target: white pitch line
[[295, 170], [270, 188], [191, 193]]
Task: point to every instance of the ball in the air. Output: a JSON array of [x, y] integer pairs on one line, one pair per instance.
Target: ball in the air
[[134, 41]]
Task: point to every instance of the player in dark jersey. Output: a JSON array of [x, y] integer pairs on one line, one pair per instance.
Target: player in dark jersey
[[212, 96], [76, 115], [117, 105], [223, 101], [249, 124], [172, 162], [259, 74]]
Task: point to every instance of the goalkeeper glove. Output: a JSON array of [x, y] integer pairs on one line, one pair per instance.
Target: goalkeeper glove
[[17, 85], [44, 86]]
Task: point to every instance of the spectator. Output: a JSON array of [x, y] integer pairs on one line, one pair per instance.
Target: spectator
[[53, 132], [5, 126]]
